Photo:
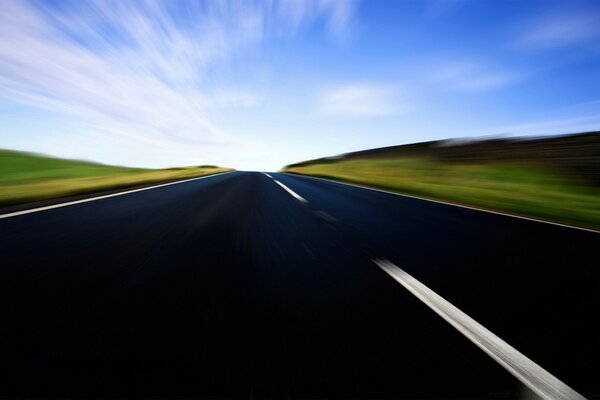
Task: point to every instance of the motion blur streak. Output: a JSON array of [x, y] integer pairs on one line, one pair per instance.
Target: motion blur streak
[[230, 287], [93, 67], [123, 274], [531, 374], [70, 203], [553, 178]]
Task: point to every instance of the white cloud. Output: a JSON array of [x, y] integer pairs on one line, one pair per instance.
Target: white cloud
[[361, 100], [472, 76], [340, 14], [337, 15], [232, 97], [144, 70], [563, 126], [574, 118], [560, 30]]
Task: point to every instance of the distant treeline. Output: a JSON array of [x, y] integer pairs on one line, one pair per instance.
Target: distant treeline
[[577, 155]]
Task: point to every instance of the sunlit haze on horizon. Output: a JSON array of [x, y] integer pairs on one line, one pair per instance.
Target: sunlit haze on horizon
[[260, 84]]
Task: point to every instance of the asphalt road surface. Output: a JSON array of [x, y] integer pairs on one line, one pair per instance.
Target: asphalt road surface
[[252, 285]]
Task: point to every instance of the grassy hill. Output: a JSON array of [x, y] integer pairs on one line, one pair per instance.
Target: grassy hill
[[555, 178], [27, 177]]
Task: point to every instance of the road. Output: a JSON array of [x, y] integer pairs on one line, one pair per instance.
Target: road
[[239, 286]]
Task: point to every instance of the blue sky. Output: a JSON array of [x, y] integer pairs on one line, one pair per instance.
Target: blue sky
[[259, 84]]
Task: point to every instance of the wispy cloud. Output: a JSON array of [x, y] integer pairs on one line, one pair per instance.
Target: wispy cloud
[[337, 14], [340, 15], [574, 118], [473, 76], [362, 100], [142, 69], [234, 97], [547, 127], [560, 30]]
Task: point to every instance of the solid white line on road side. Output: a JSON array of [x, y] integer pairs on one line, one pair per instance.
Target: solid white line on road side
[[268, 175], [290, 191], [106, 196], [448, 203], [531, 374]]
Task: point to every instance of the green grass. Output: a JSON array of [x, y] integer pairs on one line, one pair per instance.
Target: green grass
[[28, 177], [533, 191]]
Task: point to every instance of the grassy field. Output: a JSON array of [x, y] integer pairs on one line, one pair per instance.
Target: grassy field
[[527, 190], [28, 177]]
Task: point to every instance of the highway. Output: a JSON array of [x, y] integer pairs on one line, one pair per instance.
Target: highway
[[254, 285]]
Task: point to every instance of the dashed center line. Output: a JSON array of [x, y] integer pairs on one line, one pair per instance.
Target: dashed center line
[[290, 191], [287, 189], [326, 216], [531, 374]]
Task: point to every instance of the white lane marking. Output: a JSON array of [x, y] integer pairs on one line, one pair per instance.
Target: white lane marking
[[106, 196], [326, 216], [290, 191], [531, 374], [447, 203], [268, 175]]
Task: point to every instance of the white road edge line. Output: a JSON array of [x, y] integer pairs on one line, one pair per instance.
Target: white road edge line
[[290, 191], [106, 196], [268, 175], [447, 203], [531, 374]]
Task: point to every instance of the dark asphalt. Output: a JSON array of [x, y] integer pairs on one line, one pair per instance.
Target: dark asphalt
[[230, 287]]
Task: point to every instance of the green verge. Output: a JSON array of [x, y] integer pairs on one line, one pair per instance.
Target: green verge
[[526, 190], [28, 177]]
